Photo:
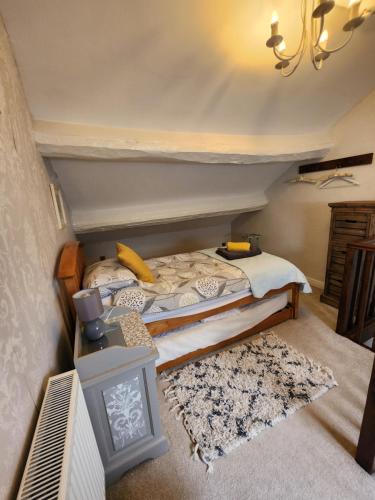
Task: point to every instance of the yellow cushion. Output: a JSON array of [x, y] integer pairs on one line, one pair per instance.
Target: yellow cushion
[[128, 258], [242, 246]]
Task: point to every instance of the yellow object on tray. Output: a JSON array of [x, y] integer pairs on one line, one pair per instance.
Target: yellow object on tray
[[242, 246]]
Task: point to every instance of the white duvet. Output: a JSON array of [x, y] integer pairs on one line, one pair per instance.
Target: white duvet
[[266, 272]]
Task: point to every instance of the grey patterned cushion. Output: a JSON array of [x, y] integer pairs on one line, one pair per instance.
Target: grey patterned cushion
[[109, 276]]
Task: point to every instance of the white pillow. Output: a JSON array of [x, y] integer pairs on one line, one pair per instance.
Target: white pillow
[[109, 276]]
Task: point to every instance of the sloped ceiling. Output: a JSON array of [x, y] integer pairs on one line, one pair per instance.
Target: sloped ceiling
[[186, 66]]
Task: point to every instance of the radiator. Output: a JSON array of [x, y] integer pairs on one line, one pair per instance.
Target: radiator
[[64, 461]]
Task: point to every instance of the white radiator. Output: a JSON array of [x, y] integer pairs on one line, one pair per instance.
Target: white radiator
[[64, 461]]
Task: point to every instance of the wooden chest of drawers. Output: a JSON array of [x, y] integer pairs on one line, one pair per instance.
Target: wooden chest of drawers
[[350, 221]]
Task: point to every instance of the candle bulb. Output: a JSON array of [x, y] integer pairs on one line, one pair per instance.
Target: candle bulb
[[355, 17], [322, 55], [275, 39], [281, 47], [274, 23], [323, 40], [354, 9]]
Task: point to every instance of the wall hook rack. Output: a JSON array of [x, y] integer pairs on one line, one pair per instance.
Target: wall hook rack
[[349, 161]]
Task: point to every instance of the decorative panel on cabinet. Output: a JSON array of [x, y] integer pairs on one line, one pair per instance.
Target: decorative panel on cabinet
[[350, 221], [118, 378]]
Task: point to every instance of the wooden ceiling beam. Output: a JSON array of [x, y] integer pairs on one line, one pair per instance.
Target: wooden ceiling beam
[[63, 140], [94, 221]]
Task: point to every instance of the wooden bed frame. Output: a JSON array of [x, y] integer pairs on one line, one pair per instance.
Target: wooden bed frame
[[70, 274]]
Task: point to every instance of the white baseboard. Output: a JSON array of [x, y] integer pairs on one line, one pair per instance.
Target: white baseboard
[[316, 283]]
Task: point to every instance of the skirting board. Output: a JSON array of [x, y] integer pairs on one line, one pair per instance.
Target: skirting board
[[315, 283]]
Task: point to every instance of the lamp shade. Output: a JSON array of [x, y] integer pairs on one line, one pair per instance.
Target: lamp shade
[[88, 304]]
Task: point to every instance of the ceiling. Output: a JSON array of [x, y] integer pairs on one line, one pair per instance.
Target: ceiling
[[128, 73], [181, 65]]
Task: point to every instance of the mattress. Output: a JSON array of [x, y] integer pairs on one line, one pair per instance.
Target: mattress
[[206, 305], [179, 342], [195, 282], [181, 280]]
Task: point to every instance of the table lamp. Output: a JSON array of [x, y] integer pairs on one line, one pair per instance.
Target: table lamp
[[89, 307]]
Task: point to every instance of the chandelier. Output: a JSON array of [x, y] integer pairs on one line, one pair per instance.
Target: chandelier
[[318, 39]]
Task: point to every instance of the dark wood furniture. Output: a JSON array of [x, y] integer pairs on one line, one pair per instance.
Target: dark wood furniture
[[356, 318], [350, 221], [70, 273], [365, 455]]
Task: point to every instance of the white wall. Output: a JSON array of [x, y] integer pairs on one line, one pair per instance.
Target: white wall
[[160, 240], [295, 224], [99, 192], [32, 329]]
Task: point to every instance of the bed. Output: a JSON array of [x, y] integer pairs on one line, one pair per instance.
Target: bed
[[183, 333]]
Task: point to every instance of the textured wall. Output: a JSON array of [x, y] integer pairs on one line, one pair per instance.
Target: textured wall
[[33, 340], [295, 224]]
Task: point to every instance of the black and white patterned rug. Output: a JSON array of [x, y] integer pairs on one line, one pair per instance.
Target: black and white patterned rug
[[230, 397]]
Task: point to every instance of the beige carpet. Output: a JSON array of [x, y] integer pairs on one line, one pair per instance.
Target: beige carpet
[[308, 456]]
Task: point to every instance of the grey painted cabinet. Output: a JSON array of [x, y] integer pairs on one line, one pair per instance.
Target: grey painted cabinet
[[118, 378]]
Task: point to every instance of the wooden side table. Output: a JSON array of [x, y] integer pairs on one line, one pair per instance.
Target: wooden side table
[[118, 379]]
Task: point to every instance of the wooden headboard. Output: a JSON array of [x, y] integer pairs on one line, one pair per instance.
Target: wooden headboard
[[70, 271]]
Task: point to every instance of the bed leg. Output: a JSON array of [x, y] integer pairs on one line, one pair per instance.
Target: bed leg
[[295, 300]]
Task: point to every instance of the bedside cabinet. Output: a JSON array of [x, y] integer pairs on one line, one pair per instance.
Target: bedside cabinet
[[350, 221], [118, 379]]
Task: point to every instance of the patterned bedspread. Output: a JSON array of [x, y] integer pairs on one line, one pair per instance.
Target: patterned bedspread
[[182, 280]]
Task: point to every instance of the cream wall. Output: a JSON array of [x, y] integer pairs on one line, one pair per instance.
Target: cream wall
[[109, 192], [33, 339], [165, 239], [102, 192], [295, 224]]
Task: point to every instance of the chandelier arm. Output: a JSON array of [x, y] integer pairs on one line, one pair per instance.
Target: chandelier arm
[[313, 31], [317, 65], [286, 57], [336, 49], [282, 57], [313, 48], [311, 39], [285, 75], [283, 72]]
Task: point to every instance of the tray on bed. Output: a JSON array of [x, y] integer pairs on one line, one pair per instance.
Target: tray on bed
[[223, 252]]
